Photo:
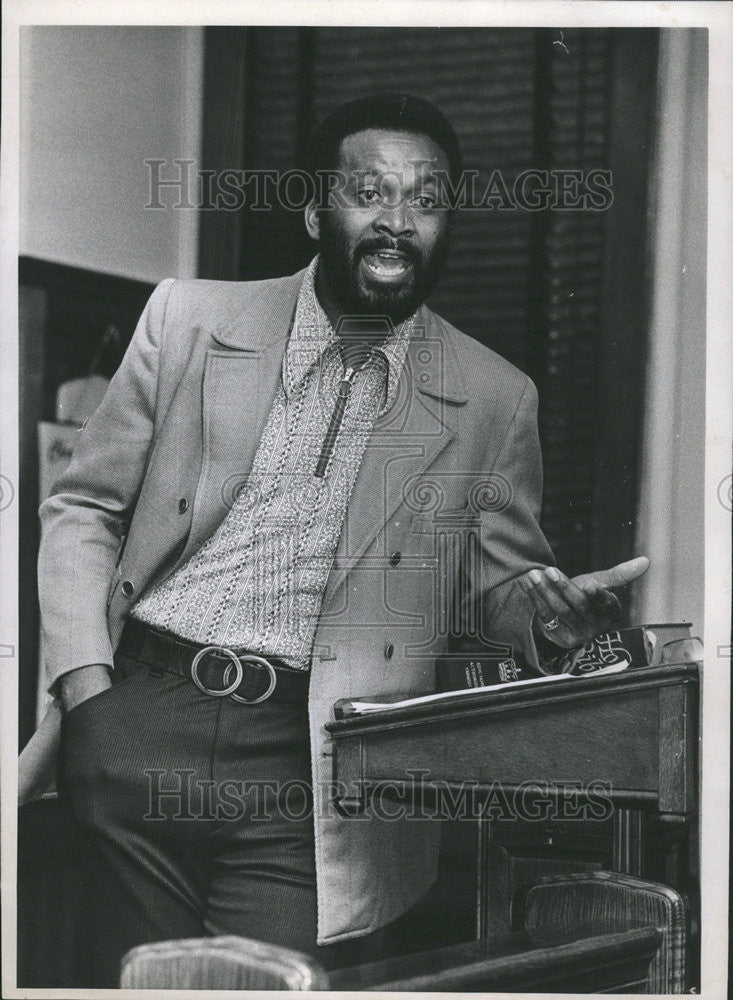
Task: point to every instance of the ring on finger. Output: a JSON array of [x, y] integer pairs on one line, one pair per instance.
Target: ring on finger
[[552, 624]]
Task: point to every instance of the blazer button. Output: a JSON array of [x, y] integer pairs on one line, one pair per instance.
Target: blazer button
[[182, 505], [395, 558], [128, 588], [389, 651]]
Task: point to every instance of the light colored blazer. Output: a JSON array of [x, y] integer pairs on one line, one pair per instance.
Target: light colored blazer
[[456, 458]]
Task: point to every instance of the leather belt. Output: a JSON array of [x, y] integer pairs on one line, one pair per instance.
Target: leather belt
[[216, 670]]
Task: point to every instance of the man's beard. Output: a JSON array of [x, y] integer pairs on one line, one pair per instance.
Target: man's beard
[[341, 271]]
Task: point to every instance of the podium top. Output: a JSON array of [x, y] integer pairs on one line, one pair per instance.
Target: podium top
[[455, 704]]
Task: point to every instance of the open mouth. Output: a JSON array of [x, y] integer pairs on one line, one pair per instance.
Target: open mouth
[[387, 265]]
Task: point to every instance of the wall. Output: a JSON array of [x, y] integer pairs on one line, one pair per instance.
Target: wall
[[671, 515], [96, 103]]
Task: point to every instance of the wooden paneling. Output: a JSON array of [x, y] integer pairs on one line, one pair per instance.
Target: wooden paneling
[[602, 729], [222, 145], [274, 240], [625, 300], [566, 282]]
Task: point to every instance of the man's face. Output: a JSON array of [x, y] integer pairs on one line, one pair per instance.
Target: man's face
[[384, 243]]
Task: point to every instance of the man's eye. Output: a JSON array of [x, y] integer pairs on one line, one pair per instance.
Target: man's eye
[[368, 196], [426, 201]]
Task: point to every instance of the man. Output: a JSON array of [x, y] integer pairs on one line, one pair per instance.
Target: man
[[247, 532]]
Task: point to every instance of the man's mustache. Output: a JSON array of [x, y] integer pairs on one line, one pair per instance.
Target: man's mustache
[[384, 243]]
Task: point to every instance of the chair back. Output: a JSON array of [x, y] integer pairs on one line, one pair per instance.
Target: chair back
[[219, 963], [610, 901]]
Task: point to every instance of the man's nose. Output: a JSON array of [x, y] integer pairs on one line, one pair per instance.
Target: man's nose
[[395, 219]]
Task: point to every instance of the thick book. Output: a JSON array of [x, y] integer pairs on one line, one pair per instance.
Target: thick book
[[626, 647], [636, 646], [480, 669]]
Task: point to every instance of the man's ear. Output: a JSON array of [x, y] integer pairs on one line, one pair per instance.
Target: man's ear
[[312, 222]]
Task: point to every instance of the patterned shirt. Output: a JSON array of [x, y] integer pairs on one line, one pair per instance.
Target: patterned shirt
[[257, 583]]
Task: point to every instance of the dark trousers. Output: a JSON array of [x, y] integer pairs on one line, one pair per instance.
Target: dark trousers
[[194, 817]]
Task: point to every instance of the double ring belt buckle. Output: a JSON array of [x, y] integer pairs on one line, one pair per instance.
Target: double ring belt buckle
[[236, 664], [251, 658]]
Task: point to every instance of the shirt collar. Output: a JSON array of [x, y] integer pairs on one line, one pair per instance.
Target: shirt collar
[[313, 335]]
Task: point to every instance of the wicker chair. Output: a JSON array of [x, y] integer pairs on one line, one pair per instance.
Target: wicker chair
[[220, 963]]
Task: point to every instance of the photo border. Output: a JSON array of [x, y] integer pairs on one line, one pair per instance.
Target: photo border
[[718, 18]]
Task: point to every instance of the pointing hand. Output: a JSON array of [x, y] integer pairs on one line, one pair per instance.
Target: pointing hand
[[570, 612]]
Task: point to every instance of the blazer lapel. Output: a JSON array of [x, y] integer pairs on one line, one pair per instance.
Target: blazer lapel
[[404, 443], [240, 377]]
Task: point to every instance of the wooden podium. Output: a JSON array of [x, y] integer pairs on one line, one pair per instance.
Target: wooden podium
[[630, 737]]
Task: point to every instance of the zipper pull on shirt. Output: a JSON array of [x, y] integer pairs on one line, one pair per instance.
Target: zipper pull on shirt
[[329, 442]]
